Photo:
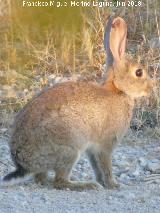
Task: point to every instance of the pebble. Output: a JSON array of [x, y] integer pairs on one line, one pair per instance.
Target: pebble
[[141, 200], [136, 173], [57, 80], [3, 130], [51, 79], [52, 76], [154, 166], [143, 162], [154, 43], [124, 178]]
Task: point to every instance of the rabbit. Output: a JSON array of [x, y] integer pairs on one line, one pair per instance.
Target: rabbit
[[53, 130]]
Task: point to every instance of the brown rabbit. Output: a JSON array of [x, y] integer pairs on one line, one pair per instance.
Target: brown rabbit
[[55, 128]]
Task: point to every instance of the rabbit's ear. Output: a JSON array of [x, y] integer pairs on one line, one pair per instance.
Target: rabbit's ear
[[109, 61], [118, 36]]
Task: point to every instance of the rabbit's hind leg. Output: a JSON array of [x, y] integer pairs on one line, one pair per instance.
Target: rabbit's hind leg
[[62, 180], [75, 186]]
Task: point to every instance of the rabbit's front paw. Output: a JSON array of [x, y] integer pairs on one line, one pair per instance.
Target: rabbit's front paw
[[113, 185]]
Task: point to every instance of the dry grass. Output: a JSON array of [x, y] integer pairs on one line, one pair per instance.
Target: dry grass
[[70, 41]]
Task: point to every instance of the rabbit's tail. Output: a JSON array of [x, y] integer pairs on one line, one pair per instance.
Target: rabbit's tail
[[18, 173]]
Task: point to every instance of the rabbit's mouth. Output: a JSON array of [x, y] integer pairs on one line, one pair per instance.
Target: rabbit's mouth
[[138, 94], [149, 87], [144, 93]]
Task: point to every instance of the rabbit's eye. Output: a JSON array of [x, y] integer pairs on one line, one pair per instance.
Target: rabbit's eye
[[139, 72]]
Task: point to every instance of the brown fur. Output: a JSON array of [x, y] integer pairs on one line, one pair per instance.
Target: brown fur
[[55, 128]]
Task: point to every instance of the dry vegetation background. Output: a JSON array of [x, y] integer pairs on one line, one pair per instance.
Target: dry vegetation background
[[38, 46]]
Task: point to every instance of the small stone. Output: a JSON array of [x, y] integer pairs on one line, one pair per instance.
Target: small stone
[[142, 162], [52, 76], [25, 91], [147, 172], [51, 79], [154, 166], [136, 173], [57, 80], [124, 177], [154, 43], [141, 200], [51, 84], [3, 130]]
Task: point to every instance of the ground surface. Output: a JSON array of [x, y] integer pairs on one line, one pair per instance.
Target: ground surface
[[135, 166]]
